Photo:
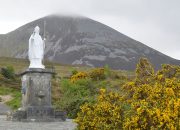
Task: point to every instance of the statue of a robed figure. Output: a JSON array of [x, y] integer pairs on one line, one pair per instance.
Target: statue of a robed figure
[[36, 86], [36, 49]]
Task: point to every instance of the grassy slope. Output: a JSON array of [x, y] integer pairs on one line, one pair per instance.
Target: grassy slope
[[12, 87], [21, 64]]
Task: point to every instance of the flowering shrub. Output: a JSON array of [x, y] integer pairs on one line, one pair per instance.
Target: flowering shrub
[[151, 101], [154, 98], [106, 114], [155, 107], [169, 71], [144, 71], [79, 75], [97, 74]]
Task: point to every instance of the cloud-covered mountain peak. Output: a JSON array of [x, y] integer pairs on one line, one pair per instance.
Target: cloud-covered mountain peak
[[80, 40]]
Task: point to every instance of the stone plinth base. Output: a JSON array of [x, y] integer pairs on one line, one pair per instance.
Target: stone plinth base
[[21, 115], [36, 97]]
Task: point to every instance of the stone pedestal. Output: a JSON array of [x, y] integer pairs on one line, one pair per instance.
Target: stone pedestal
[[36, 97]]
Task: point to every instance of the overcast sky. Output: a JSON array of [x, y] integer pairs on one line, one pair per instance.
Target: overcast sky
[[155, 23]]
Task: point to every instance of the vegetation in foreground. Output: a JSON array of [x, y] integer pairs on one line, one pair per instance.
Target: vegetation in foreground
[[150, 101], [71, 87], [10, 85], [101, 98], [83, 87]]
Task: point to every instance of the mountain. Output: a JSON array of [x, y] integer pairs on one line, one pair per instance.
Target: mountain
[[80, 40]]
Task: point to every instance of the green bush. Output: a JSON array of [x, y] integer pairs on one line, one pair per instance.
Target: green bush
[[74, 95], [74, 71], [16, 96], [97, 74], [107, 71], [116, 75], [8, 72], [15, 103]]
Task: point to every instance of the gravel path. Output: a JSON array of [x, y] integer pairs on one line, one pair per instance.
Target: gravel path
[[9, 125], [4, 109]]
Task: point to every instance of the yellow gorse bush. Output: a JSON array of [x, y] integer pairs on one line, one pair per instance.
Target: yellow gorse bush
[[94, 74], [155, 100], [79, 75], [150, 102], [105, 114]]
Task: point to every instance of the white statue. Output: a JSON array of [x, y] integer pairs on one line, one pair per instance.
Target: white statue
[[36, 49]]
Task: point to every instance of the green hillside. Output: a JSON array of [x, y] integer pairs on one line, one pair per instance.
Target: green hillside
[[21, 64], [69, 92]]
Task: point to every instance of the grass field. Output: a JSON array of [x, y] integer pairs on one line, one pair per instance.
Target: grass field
[[22, 64], [61, 86]]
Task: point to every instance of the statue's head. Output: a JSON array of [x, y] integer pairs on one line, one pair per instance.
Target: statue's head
[[36, 29]]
